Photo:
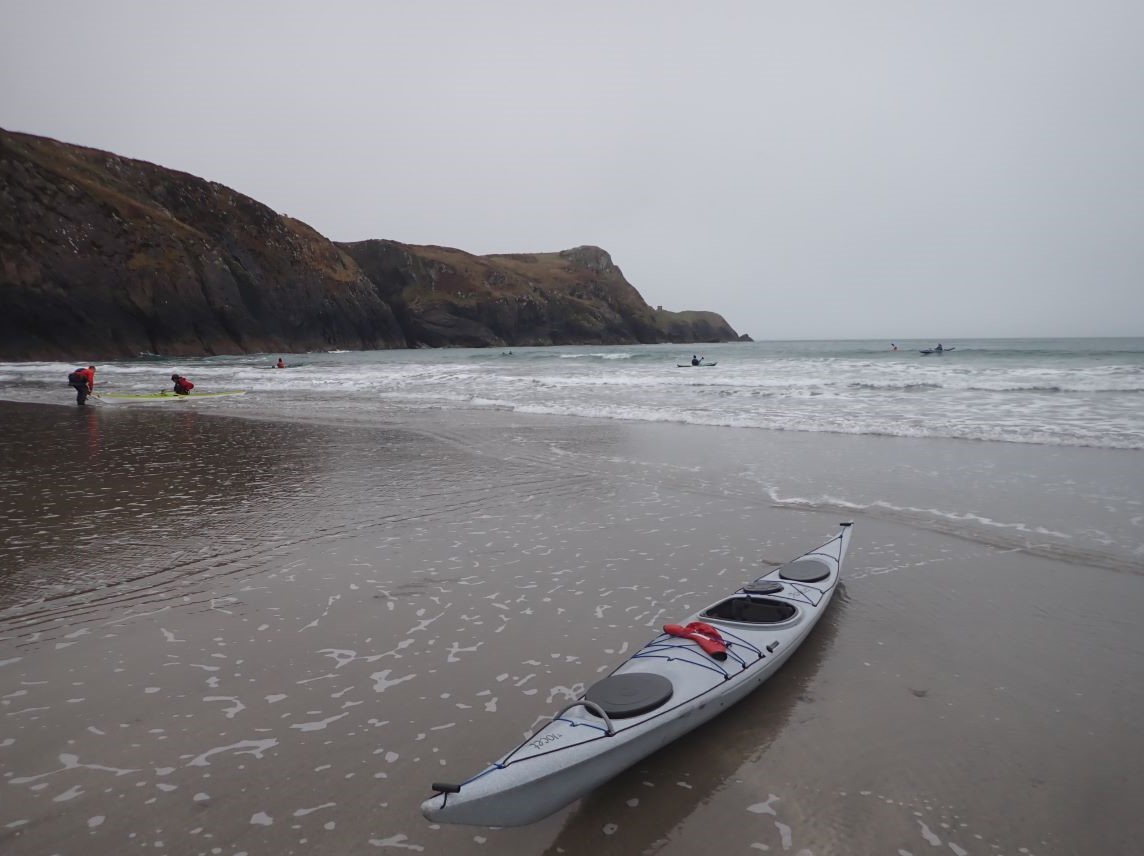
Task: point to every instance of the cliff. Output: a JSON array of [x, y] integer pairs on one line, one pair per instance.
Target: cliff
[[106, 256], [444, 297], [103, 256]]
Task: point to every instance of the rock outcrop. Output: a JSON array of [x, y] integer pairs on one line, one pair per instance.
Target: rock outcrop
[[103, 256], [443, 297]]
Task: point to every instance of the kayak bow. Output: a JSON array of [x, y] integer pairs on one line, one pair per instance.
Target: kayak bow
[[672, 685]]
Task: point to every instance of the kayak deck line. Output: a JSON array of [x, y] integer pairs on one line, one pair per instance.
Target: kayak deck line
[[665, 641], [805, 597], [668, 687], [653, 649], [609, 730]]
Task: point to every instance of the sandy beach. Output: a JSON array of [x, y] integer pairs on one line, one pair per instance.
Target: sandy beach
[[269, 636]]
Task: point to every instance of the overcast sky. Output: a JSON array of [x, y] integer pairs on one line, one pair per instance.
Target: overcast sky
[[925, 169]]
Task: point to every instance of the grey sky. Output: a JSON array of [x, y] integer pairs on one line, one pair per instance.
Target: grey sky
[[844, 169]]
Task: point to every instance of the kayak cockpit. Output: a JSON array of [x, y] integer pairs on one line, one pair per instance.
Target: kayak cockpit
[[751, 610]]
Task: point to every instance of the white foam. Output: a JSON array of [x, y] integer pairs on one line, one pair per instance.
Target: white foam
[[242, 747], [764, 807], [70, 794], [929, 835], [381, 681], [397, 841], [319, 725], [235, 708], [785, 835], [302, 812]]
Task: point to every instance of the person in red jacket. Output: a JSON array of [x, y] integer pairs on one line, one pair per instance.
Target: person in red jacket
[[83, 381], [182, 385]]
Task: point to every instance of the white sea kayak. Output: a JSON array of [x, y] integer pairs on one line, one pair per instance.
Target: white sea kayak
[[675, 683]]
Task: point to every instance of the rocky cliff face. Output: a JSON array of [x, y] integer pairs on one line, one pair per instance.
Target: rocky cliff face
[[447, 297], [106, 256], [103, 256]]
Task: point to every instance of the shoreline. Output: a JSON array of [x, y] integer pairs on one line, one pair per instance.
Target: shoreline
[[1053, 393]]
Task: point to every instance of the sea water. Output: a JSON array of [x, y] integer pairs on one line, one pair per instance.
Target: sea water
[[1032, 444], [1067, 392]]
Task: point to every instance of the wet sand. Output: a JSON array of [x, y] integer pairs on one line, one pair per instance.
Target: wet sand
[[268, 637]]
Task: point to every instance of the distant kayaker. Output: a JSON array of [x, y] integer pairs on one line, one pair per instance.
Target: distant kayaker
[[182, 385], [893, 347], [83, 381], [281, 364], [694, 360], [939, 348]]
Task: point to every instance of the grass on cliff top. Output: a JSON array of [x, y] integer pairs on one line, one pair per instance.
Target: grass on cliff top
[[690, 315], [545, 266], [515, 274], [89, 169]]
